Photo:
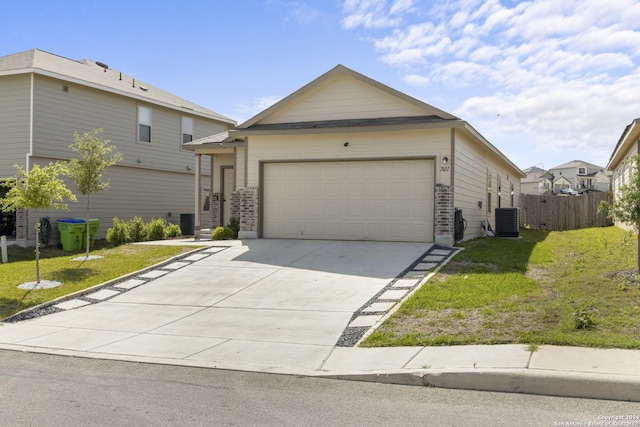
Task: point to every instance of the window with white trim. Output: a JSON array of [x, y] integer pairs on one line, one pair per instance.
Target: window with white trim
[[144, 124], [187, 129]]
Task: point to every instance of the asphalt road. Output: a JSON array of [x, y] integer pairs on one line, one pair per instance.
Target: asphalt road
[[37, 389]]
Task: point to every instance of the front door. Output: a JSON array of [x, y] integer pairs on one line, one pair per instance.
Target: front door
[[228, 185]]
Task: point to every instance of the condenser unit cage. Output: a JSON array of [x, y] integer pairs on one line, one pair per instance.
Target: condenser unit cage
[[507, 224]]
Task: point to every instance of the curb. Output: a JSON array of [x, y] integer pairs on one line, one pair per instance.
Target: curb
[[526, 381]]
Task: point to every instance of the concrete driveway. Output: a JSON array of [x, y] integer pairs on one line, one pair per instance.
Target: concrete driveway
[[265, 303]]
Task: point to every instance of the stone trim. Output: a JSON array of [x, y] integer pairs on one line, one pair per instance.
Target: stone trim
[[444, 215], [214, 211], [249, 213]]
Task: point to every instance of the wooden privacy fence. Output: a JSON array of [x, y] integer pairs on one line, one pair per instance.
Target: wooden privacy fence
[[563, 212]]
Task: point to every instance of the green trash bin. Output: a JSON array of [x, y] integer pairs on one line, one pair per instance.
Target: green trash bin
[[94, 224], [71, 231]]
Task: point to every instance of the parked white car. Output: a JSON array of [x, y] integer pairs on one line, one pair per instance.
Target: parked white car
[[569, 191]]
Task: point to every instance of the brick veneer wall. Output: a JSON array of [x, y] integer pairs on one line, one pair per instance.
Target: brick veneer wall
[[248, 212], [22, 224], [444, 215], [234, 209], [214, 220]]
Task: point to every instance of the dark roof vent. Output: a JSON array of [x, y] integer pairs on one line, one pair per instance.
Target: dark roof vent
[[103, 65]]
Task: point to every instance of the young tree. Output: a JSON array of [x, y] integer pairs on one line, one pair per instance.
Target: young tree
[[96, 155], [40, 188], [626, 207]]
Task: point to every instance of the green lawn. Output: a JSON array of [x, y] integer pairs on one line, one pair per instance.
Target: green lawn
[[527, 291], [57, 265]]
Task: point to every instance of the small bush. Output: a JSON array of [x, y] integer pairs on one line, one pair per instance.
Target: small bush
[[222, 233], [155, 229], [234, 225], [136, 228], [119, 233], [172, 230], [582, 319]]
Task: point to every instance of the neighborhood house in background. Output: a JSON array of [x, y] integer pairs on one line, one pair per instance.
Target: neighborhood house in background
[[45, 98], [572, 178], [346, 157]]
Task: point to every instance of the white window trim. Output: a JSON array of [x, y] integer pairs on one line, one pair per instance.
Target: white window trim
[[150, 124], [182, 128]]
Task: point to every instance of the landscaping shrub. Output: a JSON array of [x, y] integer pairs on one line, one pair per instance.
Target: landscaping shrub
[[172, 230], [119, 233], [234, 225], [155, 229], [222, 233], [137, 231]]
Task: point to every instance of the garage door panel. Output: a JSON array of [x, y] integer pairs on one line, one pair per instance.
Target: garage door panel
[[356, 200]]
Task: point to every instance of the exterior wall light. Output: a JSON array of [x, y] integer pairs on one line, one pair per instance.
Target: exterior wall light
[[445, 160]]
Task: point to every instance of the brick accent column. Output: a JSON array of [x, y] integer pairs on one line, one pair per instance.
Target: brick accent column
[[248, 213], [22, 226], [214, 219], [444, 215], [234, 209]]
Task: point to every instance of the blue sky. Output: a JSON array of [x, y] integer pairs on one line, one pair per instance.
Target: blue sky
[[545, 81]]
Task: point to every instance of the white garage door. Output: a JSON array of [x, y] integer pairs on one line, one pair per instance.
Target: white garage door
[[390, 200]]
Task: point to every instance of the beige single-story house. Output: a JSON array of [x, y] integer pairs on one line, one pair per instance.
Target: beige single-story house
[[346, 157], [628, 145]]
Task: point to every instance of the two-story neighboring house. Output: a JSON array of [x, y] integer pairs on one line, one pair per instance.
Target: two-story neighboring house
[[538, 181], [45, 98], [581, 176]]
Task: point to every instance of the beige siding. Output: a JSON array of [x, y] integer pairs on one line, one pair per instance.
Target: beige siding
[[240, 167], [472, 163], [344, 98], [145, 193], [621, 176], [57, 114], [14, 122], [366, 145]]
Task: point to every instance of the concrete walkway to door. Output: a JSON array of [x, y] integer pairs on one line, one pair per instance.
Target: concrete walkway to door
[[270, 305]]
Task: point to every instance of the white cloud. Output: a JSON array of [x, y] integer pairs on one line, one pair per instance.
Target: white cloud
[[561, 74], [243, 112], [301, 13], [374, 13]]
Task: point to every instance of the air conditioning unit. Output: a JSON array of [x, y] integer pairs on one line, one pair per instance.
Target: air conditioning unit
[[507, 224]]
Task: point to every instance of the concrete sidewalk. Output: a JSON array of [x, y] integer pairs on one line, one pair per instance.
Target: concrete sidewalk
[[281, 307]]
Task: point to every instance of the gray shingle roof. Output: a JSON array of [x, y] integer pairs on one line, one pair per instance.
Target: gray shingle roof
[[87, 72], [325, 124]]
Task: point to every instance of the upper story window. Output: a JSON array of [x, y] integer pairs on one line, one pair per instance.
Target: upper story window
[[144, 124], [582, 171], [187, 129]]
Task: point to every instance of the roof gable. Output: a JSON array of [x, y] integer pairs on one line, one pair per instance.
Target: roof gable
[[95, 74], [577, 163], [343, 94]]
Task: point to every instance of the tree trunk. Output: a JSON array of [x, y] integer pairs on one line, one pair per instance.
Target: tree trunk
[[37, 250], [87, 221]]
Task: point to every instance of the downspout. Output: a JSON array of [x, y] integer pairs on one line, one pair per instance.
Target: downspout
[[30, 153], [198, 201], [452, 160]]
